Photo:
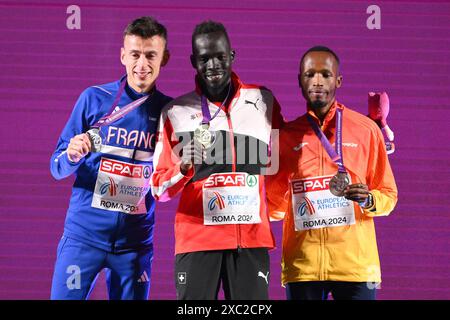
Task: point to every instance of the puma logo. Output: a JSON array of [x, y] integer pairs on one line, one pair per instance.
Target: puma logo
[[262, 275], [253, 103]]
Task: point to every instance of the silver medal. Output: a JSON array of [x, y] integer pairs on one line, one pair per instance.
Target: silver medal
[[96, 139], [338, 184], [203, 136]]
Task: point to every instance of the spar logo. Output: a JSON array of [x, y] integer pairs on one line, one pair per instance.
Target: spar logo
[[251, 180], [216, 200], [311, 184], [125, 169], [306, 206], [219, 180], [110, 187]]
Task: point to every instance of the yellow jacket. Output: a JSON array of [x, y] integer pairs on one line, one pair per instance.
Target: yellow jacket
[[338, 253]]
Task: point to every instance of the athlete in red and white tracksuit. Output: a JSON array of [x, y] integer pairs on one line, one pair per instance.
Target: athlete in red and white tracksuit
[[222, 205]]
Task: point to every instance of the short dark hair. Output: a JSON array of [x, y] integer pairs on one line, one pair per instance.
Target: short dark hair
[[320, 49], [209, 26], [146, 27]]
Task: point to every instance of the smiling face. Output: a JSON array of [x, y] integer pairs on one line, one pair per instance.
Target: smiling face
[[212, 58], [143, 59], [319, 78]]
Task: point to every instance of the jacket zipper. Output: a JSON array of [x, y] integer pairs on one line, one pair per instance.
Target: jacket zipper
[[361, 213], [116, 232], [233, 169], [322, 236]]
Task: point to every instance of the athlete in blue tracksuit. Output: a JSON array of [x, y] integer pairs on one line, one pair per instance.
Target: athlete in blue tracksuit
[[109, 222]]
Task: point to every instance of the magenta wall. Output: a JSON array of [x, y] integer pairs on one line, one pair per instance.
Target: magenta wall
[[45, 66]]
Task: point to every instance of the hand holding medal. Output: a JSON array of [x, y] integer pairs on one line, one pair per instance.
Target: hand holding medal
[[359, 192], [78, 148], [192, 154]]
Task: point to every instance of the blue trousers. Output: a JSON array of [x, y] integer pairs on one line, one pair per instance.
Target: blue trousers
[[341, 290], [78, 265]]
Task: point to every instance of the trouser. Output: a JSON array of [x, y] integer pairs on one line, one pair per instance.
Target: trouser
[[78, 265], [244, 274], [340, 290]]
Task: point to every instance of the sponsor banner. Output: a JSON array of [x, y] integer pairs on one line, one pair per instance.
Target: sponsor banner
[[231, 198], [121, 186], [314, 206]]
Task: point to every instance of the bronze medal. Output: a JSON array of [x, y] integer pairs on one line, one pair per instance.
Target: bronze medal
[[338, 184]]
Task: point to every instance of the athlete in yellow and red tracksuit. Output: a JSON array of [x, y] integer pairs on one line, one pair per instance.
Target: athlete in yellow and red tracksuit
[[329, 242]]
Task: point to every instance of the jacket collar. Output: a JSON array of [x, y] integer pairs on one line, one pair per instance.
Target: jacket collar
[[329, 117], [133, 94]]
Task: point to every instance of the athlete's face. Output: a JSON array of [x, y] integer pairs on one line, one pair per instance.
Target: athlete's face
[[143, 59], [319, 78], [212, 57]]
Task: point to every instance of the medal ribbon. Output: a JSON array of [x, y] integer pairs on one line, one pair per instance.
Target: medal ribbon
[[335, 155], [205, 109], [109, 117]]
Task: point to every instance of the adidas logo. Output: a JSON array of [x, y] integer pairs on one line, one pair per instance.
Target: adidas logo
[[143, 278]]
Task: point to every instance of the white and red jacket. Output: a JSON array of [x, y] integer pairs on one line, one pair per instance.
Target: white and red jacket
[[249, 116]]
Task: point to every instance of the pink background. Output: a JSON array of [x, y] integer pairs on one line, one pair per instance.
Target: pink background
[[45, 66]]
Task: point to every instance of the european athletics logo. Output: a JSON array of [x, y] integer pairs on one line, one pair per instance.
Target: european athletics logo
[[216, 200], [110, 186], [307, 205]]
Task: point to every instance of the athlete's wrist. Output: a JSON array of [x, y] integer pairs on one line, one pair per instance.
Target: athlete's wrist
[[368, 203], [185, 167], [70, 159]]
